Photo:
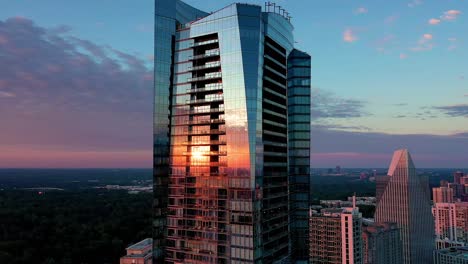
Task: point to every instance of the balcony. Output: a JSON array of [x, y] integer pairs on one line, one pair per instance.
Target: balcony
[[207, 153], [206, 66], [209, 76], [202, 43], [206, 111], [207, 88], [206, 143], [205, 100], [202, 132], [205, 122], [209, 53]]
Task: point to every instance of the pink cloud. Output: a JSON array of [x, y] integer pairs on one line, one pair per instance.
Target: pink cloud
[[424, 43], [403, 56], [434, 21], [451, 14], [349, 35]]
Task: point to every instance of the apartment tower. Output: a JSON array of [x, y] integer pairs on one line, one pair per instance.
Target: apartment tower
[[231, 94], [406, 202], [336, 236], [451, 224], [442, 195]]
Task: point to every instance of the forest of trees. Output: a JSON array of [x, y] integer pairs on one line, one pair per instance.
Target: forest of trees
[[80, 226]]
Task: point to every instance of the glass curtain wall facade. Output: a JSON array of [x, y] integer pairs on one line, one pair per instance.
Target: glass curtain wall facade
[[406, 201], [221, 134], [299, 66]]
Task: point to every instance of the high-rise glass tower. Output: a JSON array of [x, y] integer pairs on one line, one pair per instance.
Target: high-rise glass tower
[[224, 120], [406, 201]]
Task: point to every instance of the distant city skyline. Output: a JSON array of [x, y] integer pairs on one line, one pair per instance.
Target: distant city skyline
[[382, 78]]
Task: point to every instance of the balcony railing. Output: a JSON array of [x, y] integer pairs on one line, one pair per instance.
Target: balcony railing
[[209, 53], [209, 110], [207, 88], [205, 122], [206, 143], [206, 42], [205, 100], [208, 76], [206, 66], [206, 153]]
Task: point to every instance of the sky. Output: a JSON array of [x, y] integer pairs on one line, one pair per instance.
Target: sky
[[75, 81]]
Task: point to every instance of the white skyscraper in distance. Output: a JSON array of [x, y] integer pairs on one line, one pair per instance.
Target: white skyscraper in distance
[[405, 200]]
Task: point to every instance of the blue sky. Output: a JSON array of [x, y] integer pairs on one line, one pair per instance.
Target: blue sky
[[385, 75]]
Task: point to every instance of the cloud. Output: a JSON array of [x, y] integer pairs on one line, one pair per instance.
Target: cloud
[[424, 43], [403, 56], [327, 105], [451, 14], [360, 10], [349, 35], [6, 94], [434, 21], [371, 149], [458, 110], [415, 3], [71, 94]]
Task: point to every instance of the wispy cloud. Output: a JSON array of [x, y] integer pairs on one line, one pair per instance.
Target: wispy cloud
[[451, 14], [6, 94], [424, 43], [458, 110], [328, 105], [433, 21], [403, 56], [349, 35]]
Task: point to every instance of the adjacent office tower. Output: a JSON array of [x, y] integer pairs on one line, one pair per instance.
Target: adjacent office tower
[[381, 243], [442, 195], [227, 132], [336, 236], [406, 201], [299, 151], [451, 224]]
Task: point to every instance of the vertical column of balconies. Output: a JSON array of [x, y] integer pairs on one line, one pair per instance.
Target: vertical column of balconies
[[275, 179], [204, 219]]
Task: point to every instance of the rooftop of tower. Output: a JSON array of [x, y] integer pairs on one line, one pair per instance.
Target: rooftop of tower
[[400, 155]]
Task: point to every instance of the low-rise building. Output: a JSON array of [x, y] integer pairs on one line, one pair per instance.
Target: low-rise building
[[453, 255], [139, 253]]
